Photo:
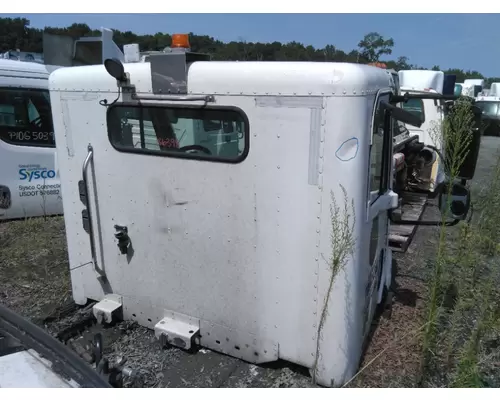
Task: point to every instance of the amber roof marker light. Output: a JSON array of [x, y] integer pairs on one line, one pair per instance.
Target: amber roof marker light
[[378, 65], [180, 40]]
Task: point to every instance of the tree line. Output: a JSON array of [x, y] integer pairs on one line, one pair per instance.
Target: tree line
[[16, 33]]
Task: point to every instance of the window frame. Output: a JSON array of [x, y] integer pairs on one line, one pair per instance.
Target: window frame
[[182, 155], [386, 150], [29, 143]]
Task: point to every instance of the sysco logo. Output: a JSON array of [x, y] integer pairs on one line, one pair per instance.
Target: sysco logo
[[37, 174]]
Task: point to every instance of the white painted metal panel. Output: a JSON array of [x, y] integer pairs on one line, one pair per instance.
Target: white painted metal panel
[[238, 249]]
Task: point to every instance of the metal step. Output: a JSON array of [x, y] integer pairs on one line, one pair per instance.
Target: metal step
[[400, 236]]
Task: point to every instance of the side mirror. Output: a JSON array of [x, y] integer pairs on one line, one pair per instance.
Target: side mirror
[[456, 204]]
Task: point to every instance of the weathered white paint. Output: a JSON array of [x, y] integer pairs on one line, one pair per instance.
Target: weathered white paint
[[240, 248]]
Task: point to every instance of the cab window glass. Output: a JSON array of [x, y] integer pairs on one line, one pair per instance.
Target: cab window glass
[[201, 133]]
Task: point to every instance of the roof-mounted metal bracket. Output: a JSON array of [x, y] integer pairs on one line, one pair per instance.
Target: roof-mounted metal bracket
[[169, 71]]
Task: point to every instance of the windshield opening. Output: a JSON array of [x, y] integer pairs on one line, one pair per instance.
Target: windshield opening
[[489, 108]]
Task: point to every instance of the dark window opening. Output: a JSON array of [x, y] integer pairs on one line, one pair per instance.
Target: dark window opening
[[26, 118]]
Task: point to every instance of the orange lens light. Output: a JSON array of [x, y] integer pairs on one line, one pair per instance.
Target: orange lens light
[[180, 40], [378, 64]]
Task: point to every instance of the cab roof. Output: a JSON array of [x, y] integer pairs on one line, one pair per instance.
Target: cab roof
[[420, 80], [241, 78], [25, 69]]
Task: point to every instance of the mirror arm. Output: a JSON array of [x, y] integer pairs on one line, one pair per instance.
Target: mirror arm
[[422, 96], [422, 223]]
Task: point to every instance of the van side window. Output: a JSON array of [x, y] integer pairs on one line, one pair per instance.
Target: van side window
[[377, 147], [215, 134], [25, 117]]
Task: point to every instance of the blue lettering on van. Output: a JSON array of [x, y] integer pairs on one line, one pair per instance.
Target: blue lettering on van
[[30, 175]]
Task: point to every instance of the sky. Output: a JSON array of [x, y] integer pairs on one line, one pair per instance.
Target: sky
[[466, 41]]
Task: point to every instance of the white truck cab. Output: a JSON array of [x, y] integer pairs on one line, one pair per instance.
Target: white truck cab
[[431, 112], [473, 87], [494, 89], [239, 206]]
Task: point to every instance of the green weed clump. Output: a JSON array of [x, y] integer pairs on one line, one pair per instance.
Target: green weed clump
[[342, 246]]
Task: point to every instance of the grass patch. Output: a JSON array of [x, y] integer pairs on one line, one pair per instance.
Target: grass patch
[[34, 266], [463, 310]]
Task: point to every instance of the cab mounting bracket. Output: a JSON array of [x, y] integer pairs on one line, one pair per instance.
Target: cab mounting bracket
[[178, 333], [108, 307]]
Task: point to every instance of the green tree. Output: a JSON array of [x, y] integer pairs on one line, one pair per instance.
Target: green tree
[[374, 45], [402, 63]]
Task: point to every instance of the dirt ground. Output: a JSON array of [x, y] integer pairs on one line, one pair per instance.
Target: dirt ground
[[35, 283]]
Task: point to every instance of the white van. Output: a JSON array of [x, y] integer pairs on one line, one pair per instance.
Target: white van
[[29, 175]]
